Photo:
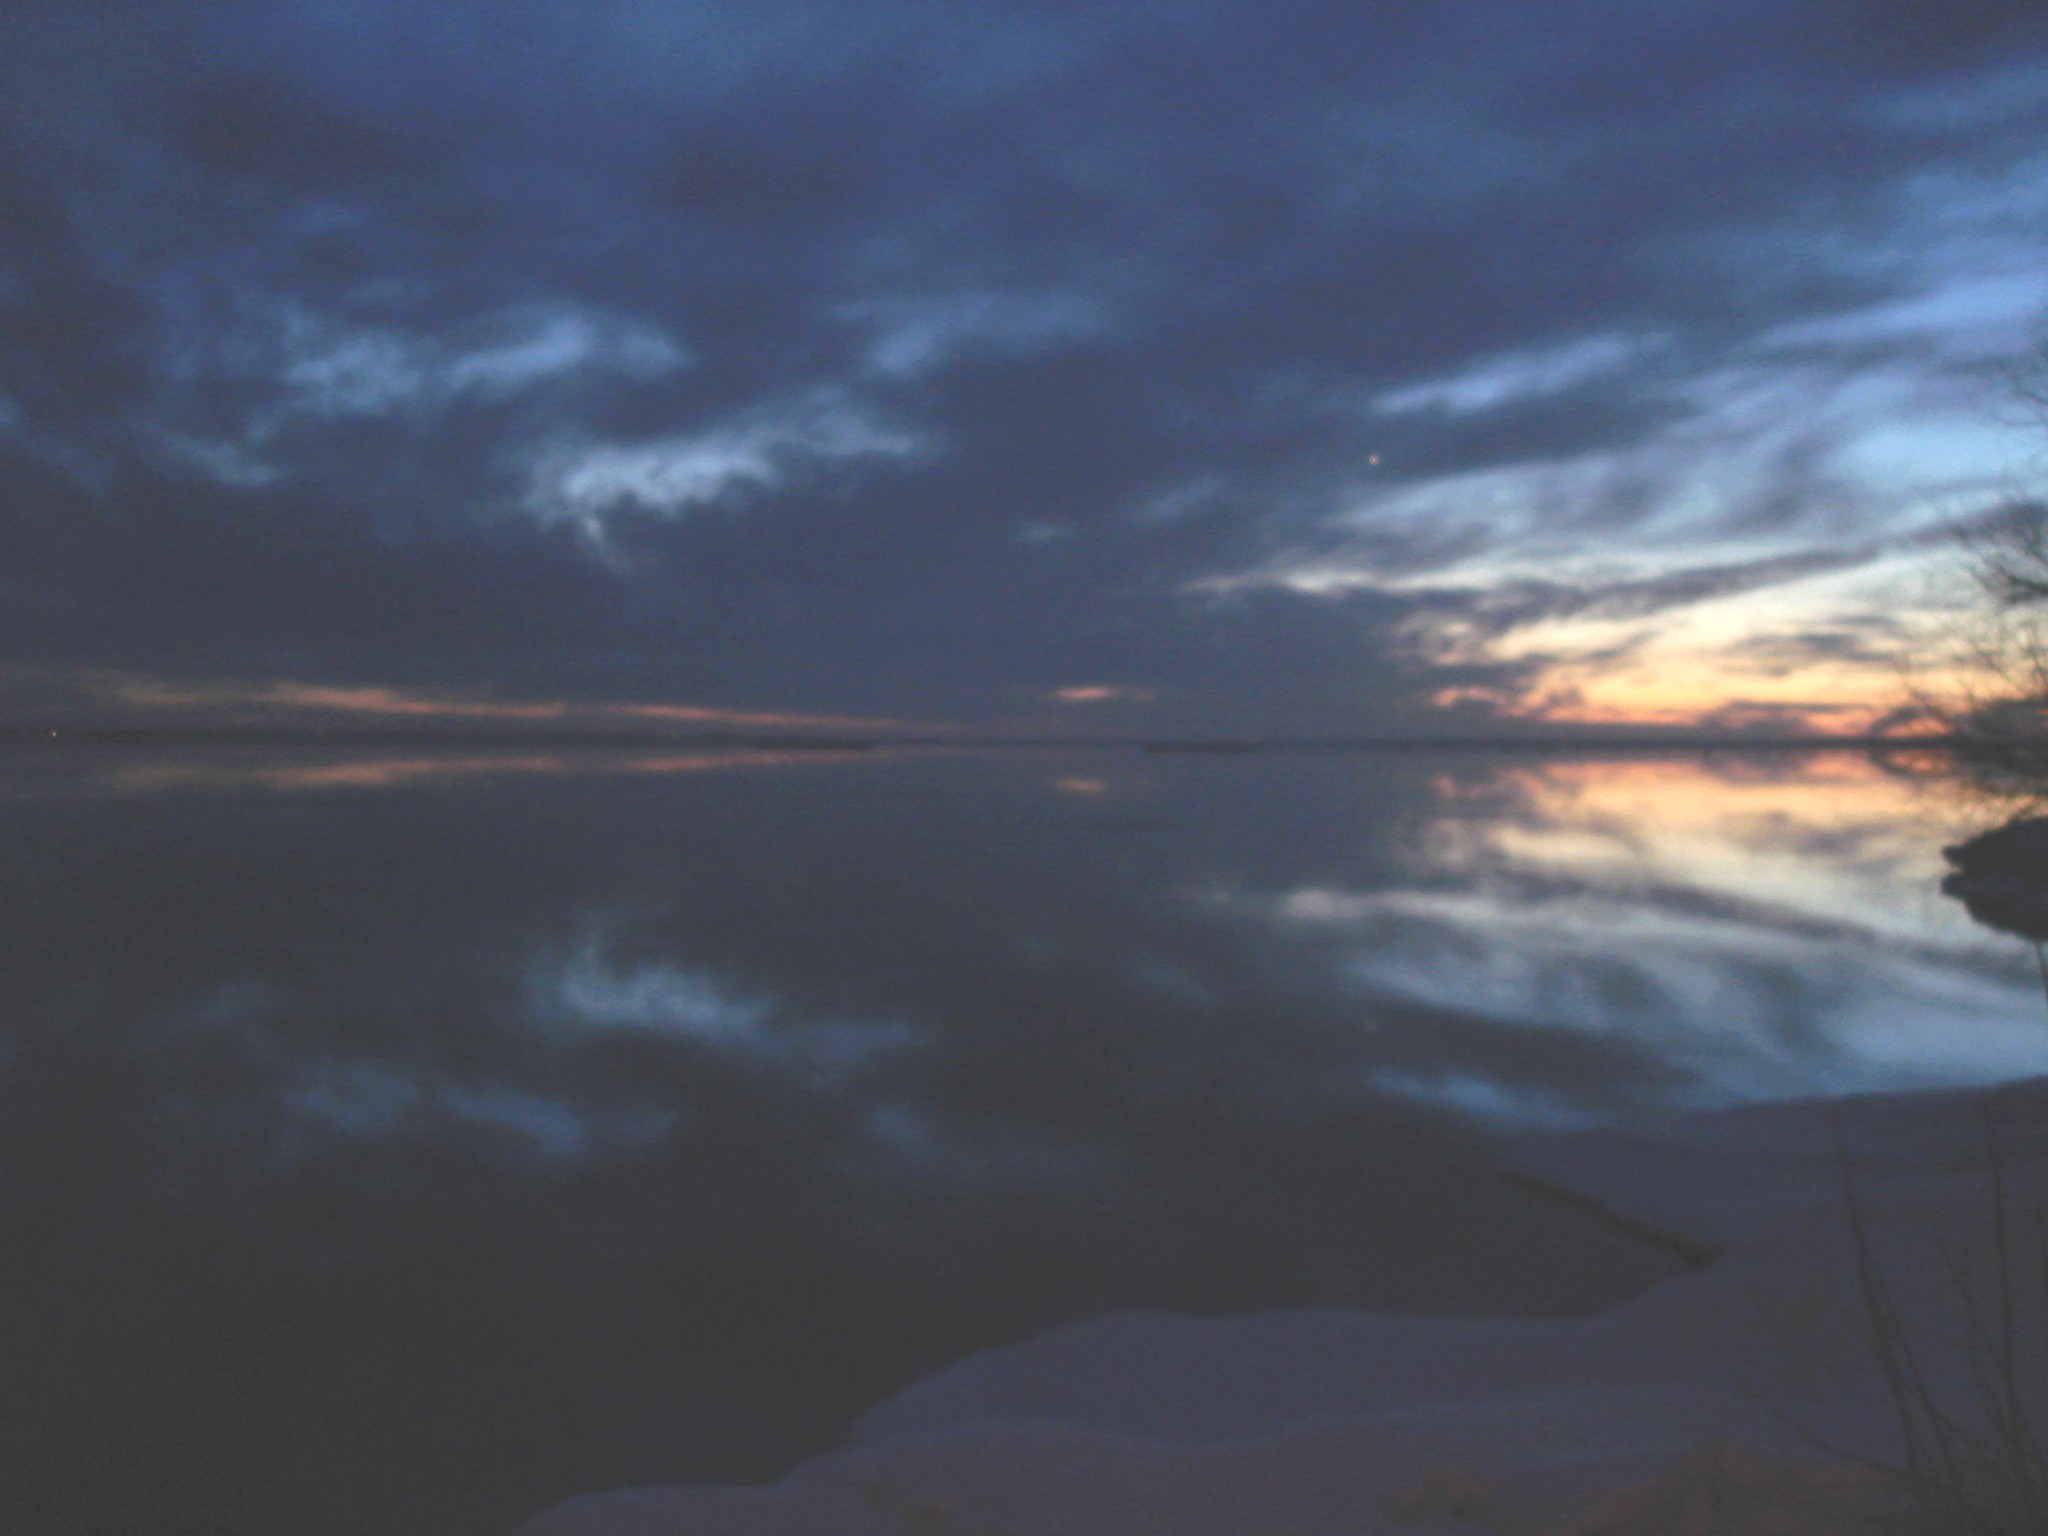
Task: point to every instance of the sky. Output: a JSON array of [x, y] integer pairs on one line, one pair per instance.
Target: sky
[[1213, 366]]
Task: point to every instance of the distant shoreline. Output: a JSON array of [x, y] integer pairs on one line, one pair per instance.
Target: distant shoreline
[[38, 736]]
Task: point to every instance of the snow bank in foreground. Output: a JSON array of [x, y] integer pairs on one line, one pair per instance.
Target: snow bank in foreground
[[1698, 1394]]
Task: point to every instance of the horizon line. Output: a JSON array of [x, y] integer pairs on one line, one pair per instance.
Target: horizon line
[[355, 734]]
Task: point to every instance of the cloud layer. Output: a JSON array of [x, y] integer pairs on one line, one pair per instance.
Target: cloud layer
[[934, 359]]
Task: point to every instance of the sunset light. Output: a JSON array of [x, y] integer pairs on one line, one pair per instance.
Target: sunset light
[[985, 768]]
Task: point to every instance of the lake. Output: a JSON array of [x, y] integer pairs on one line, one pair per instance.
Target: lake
[[398, 1140]]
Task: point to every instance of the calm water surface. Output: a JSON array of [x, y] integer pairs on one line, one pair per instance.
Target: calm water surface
[[397, 1143]]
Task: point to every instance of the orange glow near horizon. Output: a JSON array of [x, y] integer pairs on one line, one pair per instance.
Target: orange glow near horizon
[[1101, 693], [367, 703], [1674, 688], [1843, 653], [1670, 684], [1705, 672]]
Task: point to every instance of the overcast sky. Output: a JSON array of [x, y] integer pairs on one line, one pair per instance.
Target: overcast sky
[[1194, 365]]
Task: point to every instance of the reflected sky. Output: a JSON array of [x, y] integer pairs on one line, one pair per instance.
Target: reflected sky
[[399, 1141], [1765, 928]]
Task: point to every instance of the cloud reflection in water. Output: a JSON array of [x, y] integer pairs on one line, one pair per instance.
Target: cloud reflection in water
[[561, 1125], [1768, 930]]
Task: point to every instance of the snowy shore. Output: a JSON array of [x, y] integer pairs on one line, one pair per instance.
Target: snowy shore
[[1711, 1390]]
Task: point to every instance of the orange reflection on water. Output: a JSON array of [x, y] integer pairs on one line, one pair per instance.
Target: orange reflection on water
[[1761, 792], [1746, 828]]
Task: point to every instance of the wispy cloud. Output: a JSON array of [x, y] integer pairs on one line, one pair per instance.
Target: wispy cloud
[[589, 486], [1791, 493], [331, 367], [910, 337], [1948, 261], [1815, 641], [107, 695], [1520, 376], [303, 367]]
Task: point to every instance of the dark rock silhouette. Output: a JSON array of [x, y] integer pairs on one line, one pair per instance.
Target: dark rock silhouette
[[2001, 877]]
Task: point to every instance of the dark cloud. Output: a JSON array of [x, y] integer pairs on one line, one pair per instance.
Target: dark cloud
[[1638, 599], [1875, 641], [718, 176], [259, 128], [1934, 34], [72, 348], [1518, 599]]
